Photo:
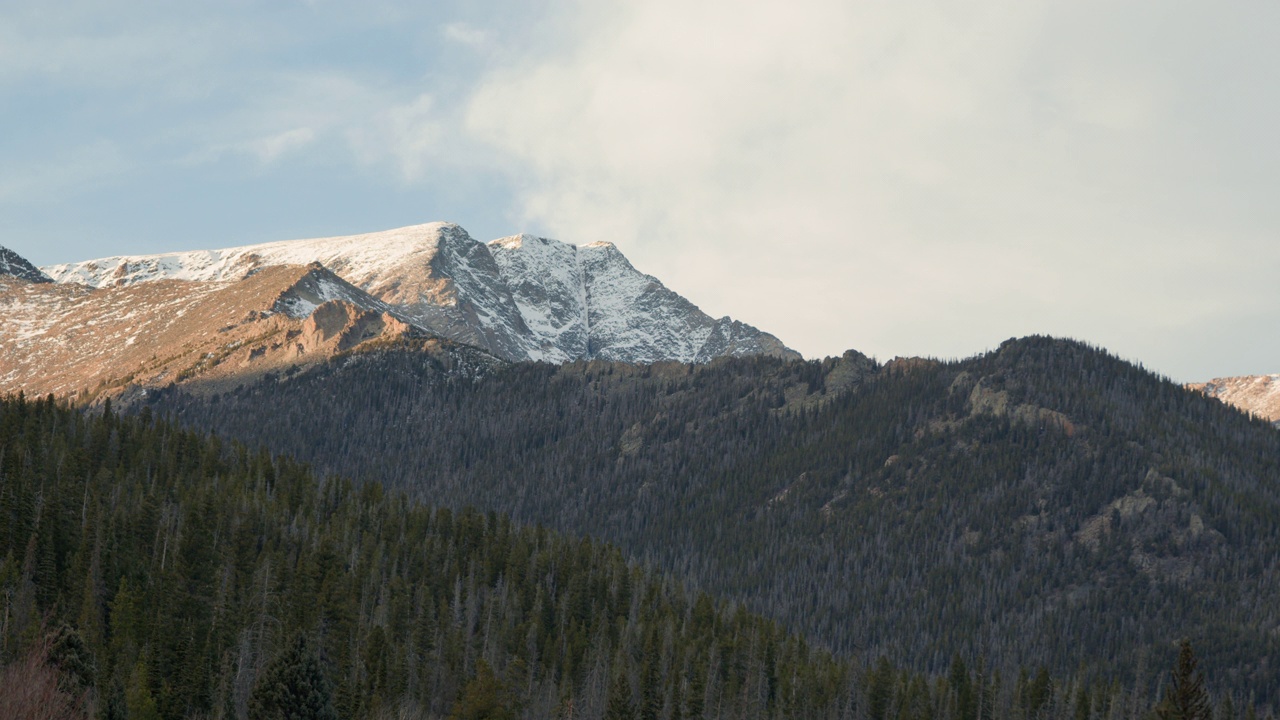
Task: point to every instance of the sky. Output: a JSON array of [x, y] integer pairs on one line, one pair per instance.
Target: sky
[[900, 177]]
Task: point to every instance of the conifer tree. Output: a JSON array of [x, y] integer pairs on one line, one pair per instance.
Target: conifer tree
[[483, 698], [293, 687], [1186, 697], [139, 702], [619, 705]]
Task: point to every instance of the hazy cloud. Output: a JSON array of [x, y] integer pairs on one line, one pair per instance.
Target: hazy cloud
[[406, 136], [269, 149], [465, 34], [914, 177]]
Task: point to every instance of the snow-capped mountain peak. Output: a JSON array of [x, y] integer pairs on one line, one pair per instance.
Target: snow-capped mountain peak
[[359, 258], [522, 297]]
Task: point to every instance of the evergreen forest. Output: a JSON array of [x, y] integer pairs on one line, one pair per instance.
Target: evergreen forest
[[1042, 505], [147, 571]]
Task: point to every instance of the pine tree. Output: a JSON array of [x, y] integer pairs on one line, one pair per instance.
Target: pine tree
[[293, 687], [619, 705], [68, 653], [139, 702], [1186, 698], [483, 698]]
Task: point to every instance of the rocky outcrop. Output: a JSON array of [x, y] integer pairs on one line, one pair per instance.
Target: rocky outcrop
[[14, 265]]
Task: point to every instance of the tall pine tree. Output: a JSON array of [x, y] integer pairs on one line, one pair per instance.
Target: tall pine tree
[[1186, 697], [293, 688]]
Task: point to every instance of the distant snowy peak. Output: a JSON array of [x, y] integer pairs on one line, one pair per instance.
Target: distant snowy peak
[[362, 259], [1255, 394], [14, 265], [521, 297], [589, 302], [545, 281]]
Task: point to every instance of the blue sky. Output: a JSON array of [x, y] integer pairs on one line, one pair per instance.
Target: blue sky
[[154, 126], [914, 178]]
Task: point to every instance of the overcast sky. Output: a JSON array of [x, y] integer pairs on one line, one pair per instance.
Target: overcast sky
[[899, 177]]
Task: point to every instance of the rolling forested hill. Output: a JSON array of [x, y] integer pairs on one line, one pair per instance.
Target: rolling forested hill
[[148, 572], [180, 569], [1045, 503]]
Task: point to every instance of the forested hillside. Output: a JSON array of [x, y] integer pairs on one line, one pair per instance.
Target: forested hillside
[[185, 566], [148, 572], [1045, 503]]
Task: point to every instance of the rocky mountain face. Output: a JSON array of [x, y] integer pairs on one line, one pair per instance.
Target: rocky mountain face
[[16, 266], [1255, 394], [520, 298], [73, 340]]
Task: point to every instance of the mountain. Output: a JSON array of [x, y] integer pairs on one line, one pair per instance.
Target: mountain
[[1254, 394], [69, 339], [520, 298], [148, 572], [1043, 504], [14, 265]]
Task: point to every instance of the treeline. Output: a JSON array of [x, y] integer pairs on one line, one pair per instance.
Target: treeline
[[1044, 504], [160, 573]]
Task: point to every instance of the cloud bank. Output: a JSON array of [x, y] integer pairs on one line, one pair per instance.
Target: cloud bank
[[918, 177]]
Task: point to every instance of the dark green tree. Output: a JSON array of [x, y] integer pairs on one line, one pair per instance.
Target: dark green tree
[[966, 704], [484, 698], [619, 705], [1186, 697], [880, 689], [68, 653], [293, 687]]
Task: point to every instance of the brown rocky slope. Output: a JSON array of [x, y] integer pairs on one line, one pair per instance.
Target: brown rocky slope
[[92, 343], [1255, 394]]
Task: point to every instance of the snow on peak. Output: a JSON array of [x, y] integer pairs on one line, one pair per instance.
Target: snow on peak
[[1255, 394], [521, 297], [355, 257]]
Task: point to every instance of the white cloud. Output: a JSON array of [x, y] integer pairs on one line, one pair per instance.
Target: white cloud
[[918, 177], [269, 149], [465, 34], [406, 135]]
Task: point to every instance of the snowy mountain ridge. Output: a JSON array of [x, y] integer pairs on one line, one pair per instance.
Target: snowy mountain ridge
[[520, 297], [1255, 394]]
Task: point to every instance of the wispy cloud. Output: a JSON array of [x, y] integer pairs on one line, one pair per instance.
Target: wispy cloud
[[269, 149], [407, 135], [465, 34]]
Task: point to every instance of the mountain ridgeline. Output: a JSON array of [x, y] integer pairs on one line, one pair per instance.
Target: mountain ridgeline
[[517, 298], [152, 573], [14, 265], [144, 322], [1045, 503]]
